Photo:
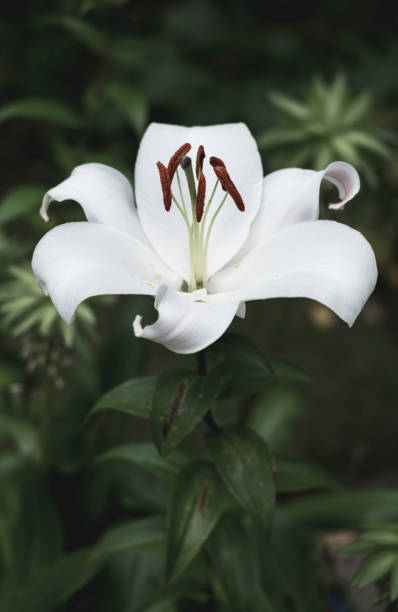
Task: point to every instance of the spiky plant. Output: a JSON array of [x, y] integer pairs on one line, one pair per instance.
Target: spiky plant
[[45, 340], [329, 123]]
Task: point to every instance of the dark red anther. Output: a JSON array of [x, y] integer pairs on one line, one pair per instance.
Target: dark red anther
[[200, 199], [200, 155], [216, 161], [175, 159], [166, 185], [228, 185]]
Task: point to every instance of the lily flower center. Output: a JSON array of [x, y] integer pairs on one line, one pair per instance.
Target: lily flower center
[[199, 214]]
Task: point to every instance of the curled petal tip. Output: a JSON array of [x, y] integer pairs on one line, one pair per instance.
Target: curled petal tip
[[137, 326], [44, 207], [241, 310], [346, 179]]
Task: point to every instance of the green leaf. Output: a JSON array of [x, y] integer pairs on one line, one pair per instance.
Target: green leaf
[[34, 317], [356, 547], [384, 526], [162, 603], [197, 502], [380, 538], [51, 585], [130, 102], [319, 88], [235, 566], [333, 101], [31, 538], [244, 369], [244, 463], [280, 136], [374, 567], [274, 416], [22, 432], [297, 475], [323, 155], [236, 378], [40, 109], [84, 32], [345, 509], [20, 201], [357, 108], [289, 105], [147, 457], [287, 373], [394, 581], [346, 150], [139, 535], [167, 600], [132, 397], [9, 373], [180, 401], [367, 141], [236, 347]]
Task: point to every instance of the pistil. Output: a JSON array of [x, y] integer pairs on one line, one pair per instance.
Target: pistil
[[186, 165], [195, 247]]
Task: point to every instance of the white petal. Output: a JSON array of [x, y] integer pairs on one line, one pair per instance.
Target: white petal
[[105, 195], [184, 325], [167, 232], [75, 261], [291, 196], [322, 260]]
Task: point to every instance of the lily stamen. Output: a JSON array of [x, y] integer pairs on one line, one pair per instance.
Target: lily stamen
[[176, 158], [199, 230], [200, 200], [166, 185], [226, 182], [200, 155], [216, 161]]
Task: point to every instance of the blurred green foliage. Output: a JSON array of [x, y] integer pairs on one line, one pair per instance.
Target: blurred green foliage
[[83, 500], [330, 124]]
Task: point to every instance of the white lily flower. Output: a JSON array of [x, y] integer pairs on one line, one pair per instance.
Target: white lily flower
[[203, 245]]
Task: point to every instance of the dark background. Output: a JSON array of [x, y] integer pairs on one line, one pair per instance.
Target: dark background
[[210, 62], [201, 63]]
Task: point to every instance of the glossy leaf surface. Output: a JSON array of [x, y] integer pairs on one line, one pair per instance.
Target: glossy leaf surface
[[244, 463], [197, 502]]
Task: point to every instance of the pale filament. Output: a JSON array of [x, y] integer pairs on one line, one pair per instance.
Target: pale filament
[[199, 235]]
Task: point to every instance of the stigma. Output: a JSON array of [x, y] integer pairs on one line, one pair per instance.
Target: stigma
[[199, 215]]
